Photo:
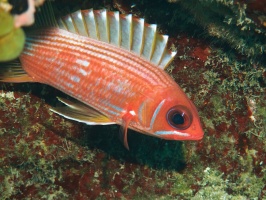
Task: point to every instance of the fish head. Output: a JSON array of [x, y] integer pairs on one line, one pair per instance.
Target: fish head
[[175, 117]]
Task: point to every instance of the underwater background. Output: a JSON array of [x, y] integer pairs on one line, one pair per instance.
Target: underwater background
[[220, 64]]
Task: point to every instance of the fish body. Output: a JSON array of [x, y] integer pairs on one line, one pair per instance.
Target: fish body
[[119, 78]]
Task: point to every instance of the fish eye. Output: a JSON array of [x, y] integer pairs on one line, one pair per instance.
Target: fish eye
[[179, 117]]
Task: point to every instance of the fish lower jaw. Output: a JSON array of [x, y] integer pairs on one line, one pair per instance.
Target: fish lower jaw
[[176, 135]]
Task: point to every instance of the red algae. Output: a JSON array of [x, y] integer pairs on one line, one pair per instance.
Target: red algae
[[201, 53]]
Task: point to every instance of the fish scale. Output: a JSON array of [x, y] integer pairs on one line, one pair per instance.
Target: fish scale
[[136, 65], [98, 67], [149, 73]]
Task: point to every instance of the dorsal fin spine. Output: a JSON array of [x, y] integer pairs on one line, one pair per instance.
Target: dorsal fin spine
[[125, 28], [85, 24], [138, 33], [166, 58], [90, 23], [75, 21], [61, 24], [101, 22], [160, 46], [149, 37], [79, 23], [69, 23], [153, 42], [114, 28]]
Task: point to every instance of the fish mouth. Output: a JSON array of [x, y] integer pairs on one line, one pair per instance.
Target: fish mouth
[[198, 137]]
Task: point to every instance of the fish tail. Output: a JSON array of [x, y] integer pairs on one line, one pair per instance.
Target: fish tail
[[13, 72]]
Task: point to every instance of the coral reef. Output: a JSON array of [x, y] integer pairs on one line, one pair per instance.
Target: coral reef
[[221, 66]]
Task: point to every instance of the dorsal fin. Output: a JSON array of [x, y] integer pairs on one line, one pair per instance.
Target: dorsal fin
[[120, 30]]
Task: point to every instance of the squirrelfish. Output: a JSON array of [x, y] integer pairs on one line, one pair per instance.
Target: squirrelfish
[[113, 65]]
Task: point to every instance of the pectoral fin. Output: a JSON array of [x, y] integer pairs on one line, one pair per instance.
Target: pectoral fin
[[80, 112], [124, 126]]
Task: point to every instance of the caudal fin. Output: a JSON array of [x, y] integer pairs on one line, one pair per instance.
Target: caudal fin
[[12, 72]]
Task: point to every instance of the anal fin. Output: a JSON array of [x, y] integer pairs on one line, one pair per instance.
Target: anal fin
[[80, 112]]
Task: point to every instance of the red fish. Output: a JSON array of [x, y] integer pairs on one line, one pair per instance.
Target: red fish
[[113, 65]]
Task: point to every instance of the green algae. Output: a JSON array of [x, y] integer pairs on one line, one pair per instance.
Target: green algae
[[215, 186], [8, 185], [181, 185], [248, 184], [11, 39], [242, 88]]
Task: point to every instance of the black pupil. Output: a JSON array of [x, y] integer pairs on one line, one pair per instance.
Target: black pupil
[[178, 119]]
